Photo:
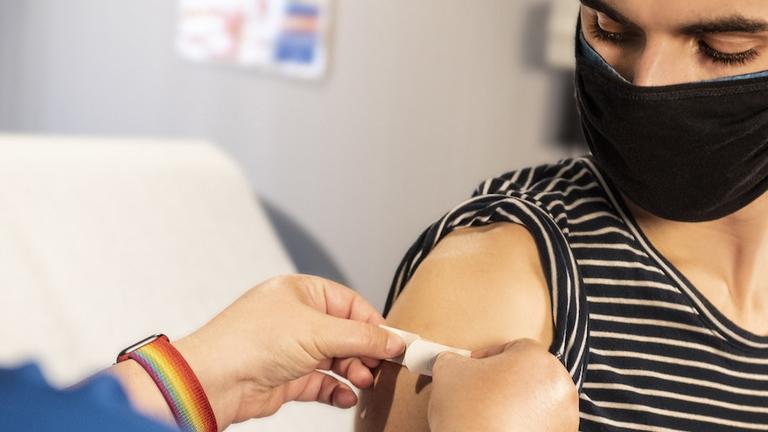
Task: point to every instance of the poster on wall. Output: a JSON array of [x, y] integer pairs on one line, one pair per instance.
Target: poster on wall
[[288, 37]]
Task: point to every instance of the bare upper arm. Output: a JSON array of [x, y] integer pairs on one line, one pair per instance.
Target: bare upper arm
[[479, 287]]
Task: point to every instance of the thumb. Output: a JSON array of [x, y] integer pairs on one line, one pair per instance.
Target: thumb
[[342, 338]]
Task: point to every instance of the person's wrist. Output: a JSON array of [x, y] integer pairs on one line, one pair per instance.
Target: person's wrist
[[214, 374]]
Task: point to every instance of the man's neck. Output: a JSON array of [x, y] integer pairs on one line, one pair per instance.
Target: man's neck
[[725, 259]]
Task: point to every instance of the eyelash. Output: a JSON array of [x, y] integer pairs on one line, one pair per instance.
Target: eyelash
[[735, 59], [716, 56]]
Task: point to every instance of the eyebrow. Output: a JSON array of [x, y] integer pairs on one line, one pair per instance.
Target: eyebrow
[[730, 24], [601, 6]]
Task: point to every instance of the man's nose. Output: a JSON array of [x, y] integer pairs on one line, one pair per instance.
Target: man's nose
[[659, 64]]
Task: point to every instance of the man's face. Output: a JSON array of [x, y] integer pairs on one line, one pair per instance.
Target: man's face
[[663, 42]]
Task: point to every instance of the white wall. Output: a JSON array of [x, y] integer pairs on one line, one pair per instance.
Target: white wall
[[425, 99]]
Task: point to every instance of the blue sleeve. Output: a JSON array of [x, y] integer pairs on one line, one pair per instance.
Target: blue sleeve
[[29, 403]]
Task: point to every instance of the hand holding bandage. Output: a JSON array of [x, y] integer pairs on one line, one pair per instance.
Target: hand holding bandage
[[274, 345]]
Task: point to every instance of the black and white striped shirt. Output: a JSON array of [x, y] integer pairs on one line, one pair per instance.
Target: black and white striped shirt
[[646, 349]]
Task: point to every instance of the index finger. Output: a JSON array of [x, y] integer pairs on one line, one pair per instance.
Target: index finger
[[337, 300]]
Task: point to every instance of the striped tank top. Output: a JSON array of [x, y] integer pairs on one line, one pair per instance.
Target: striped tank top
[[646, 350]]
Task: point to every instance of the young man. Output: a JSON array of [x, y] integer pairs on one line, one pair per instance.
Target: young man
[[641, 267]]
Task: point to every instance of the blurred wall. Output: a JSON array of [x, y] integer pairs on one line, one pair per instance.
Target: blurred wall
[[425, 99]]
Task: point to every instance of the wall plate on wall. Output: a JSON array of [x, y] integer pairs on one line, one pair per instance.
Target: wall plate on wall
[[289, 37]]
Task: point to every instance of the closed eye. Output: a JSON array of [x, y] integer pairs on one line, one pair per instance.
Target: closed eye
[[715, 56]]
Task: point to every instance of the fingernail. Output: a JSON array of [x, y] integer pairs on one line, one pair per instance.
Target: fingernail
[[395, 345]]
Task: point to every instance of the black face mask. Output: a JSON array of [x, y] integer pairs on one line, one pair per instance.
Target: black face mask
[[690, 152]]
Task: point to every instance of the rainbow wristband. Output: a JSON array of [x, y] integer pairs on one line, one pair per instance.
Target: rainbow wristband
[[177, 382]]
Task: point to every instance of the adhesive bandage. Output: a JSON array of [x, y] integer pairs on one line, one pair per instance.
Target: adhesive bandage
[[420, 354]]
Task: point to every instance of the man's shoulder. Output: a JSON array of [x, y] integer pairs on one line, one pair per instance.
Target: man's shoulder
[[567, 191], [481, 286], [487, 278]]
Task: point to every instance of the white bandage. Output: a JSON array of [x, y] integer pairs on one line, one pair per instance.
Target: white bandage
[[420, 354]]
